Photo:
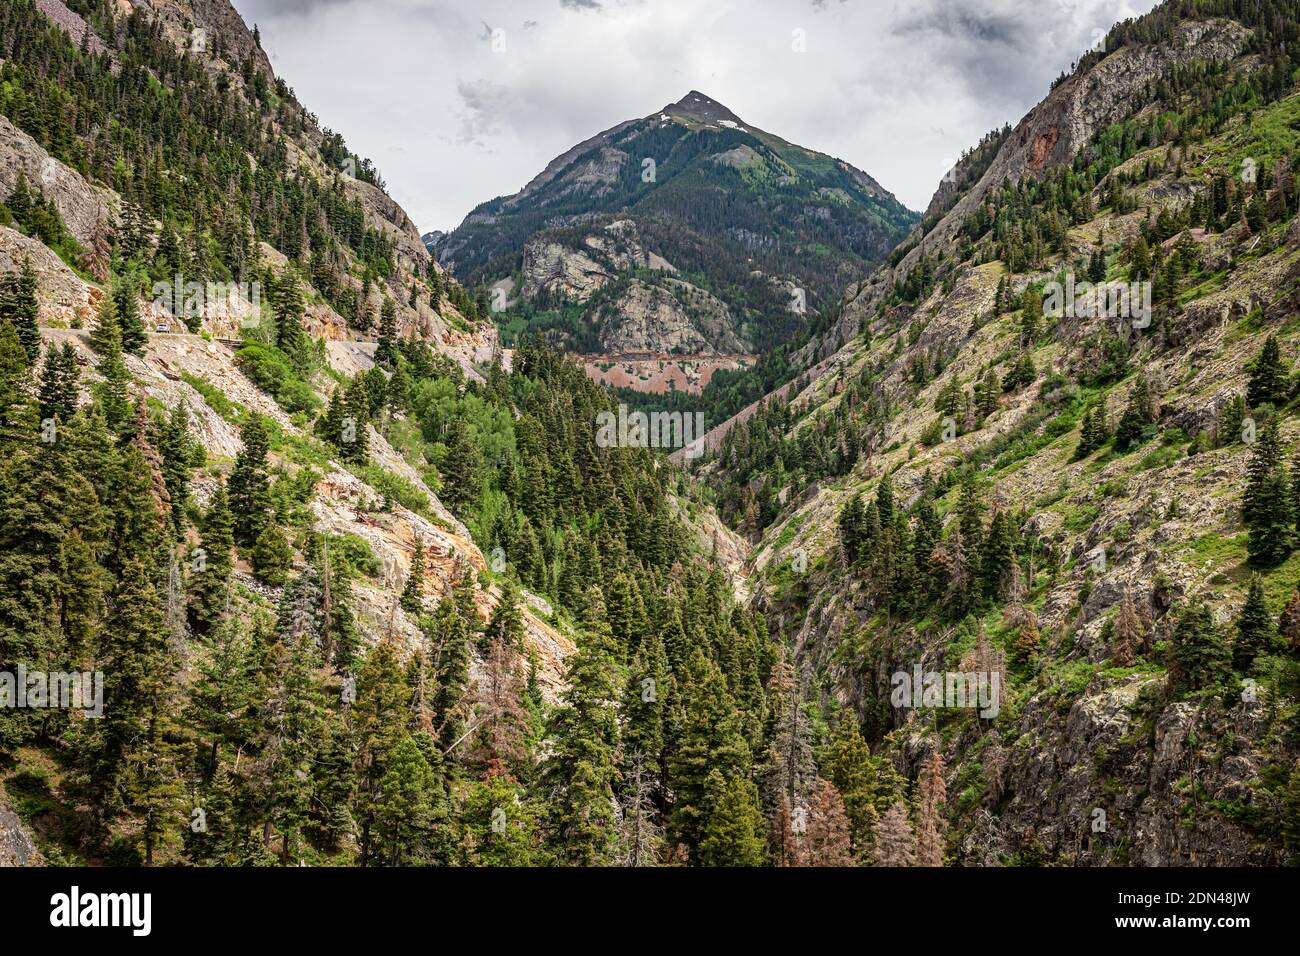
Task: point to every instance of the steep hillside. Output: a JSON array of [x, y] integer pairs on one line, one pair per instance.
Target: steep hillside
[[265, 476], [996, 465], [688, 232], [263, 184]]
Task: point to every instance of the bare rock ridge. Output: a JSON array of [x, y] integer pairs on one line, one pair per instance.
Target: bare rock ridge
[[696, 106]]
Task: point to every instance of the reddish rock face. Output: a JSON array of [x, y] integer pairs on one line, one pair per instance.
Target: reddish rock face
[[659, 374], [1042, 148]]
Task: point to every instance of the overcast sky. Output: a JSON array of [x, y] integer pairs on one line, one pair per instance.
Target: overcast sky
[[459, 101]]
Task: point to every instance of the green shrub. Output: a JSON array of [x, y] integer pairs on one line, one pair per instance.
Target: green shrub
[[358, 554], [272, 371]]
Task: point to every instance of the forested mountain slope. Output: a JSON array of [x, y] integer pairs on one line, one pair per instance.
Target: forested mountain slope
[[688, 232], [355, 602], [999, 466]]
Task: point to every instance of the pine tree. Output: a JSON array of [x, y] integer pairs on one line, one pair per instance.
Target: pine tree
[[176, 449], [1256, 630], [1127, 633], [211, 565], [1139, 413], [581, 772], [18, 412], [272, 557], [223, 693], [1230, 424], [334, 781], [84, 584], [790, 773], [140, 523], [1095, 431], [1097, 266], [354, 439], [1272, 535], [330, 424], [123, 760], [106, 333], [828, 839], [448, 637], [895, 843], [224, 838], [1031, 317], [500, 737], [931, 797], [707, 737], [462, 469], [380, 717], [970, 511], [106, 339], [998, 557], [131, 325], [19, 309], [733, 833], [507, 623], [386, 352], [340, 638], [847, 761], [249, 489], [885, 501], [399, 390], [640, 837], [294, 707], [51, 602], [59, 391], [1199, 657], [1268, 378], [287, 308], [406, 810], [852, 529], [500, 824], [153, 784], [643, 706], [412, 600], [1266, 456]]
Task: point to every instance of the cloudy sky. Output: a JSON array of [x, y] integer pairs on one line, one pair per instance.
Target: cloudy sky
[[458, 102]]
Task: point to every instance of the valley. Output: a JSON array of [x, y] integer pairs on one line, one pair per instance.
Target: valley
[[989, 555]]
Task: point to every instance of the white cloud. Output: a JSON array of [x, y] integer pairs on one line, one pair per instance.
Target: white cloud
[[454, 114]]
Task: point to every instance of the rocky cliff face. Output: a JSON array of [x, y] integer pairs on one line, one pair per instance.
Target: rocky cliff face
[[84, 207], [637, 316]]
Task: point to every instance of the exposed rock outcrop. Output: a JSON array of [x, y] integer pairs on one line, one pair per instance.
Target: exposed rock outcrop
[[16, 846]]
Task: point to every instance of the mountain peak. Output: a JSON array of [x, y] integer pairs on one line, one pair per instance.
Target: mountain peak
[[701, 108]]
